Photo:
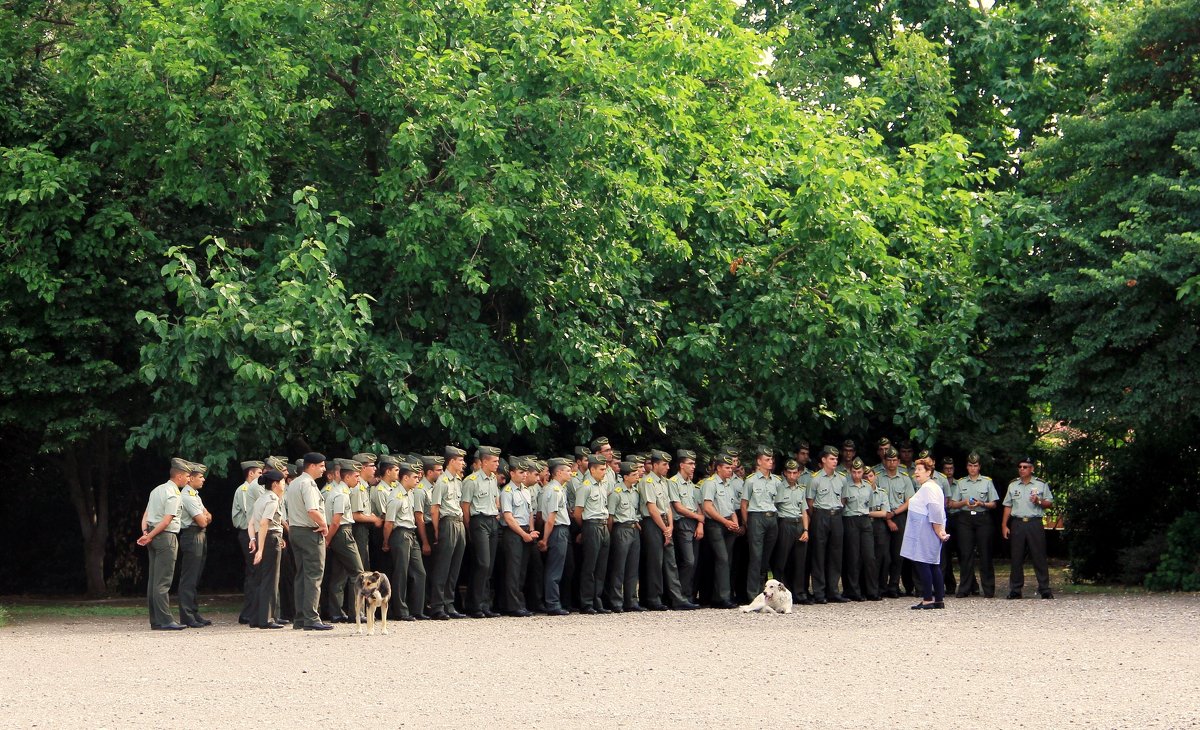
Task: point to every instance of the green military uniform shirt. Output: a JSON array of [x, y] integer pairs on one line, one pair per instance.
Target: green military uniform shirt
[[554, 503], [653, 488], [190, 506], [791, 500], [759, 492], [571, 487], [380, 496], [422, 499], [714, 490], [880, 500], [735, 485], [400, 510], [981, 489], [825, 491], [1018, 493], [337, 502], [623, 504], [301, 496], [899, 488], [447, 495], [858, 498], [685, 492], [515, 499], [483, 493], [360, 499], [164, 500], [243, 502], [267, 508], [592, 498]]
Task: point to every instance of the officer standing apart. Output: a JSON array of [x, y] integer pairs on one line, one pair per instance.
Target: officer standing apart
[[481, 513], [306, 534], [825, 501], [976, 497], [758, 514], [591, 513], [194, 520], [160, 531], [1024, 504]]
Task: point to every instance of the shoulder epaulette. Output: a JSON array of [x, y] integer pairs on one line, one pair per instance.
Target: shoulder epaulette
[[618, 489], [508, 489], [245, 488], [472, 477]]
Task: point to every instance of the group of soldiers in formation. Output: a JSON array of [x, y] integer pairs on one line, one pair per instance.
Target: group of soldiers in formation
[[600, 533]]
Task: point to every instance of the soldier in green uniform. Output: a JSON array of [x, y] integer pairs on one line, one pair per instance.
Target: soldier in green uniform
[[975, 497], [591, 513], [759, 516], [1025, 503], [535, 574], [881, 449], [945, 479], [387, 470], [160, 531], [360, 506], [860, 576], [721, 526], [449, 535], [518, 535], [802, 456], [341, 553], [555, 535], [658, 529], [788, 562], [689, 520], [825, 505], [265, 532], [624, 523], [739, 554], [432, 466], [243, 502], [481, 513], [881, 510], [194, 520], [848, 454], [899, 489], [306, 534], [401, 541]]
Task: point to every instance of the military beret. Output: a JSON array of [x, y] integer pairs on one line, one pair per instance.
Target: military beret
[[849, 444], [682, 454], [948, 460], [802, 446], [387, 460], [628, 467], [270, 476], [313, 457], [248, 465], [891, 453], [197, 468], [857, 463], [594, 459], [829, 451], [351, 465], [453, 452], [598, 442], [278, 463], [483, 451], [883, 443], [431, 461], [657, 455], [556, 463], [1027, 459], [972, 458], [726, 459], [791, 465], [178, 464], [764, 451], [365, 459], [293, 470], [924, 454]]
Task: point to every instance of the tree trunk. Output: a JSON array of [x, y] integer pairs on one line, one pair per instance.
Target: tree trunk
[[87, 470]]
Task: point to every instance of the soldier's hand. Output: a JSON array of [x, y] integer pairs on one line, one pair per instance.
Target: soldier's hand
[[282, 544], [426, 550], [579, 539], [893, 526], [803, 537], [699, 532], [1004, 531], [257, 558], [387, 548], [535, 534], [541, 546], [144, 540]]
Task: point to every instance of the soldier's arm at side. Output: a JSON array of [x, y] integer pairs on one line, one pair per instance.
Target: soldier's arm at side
[[419, 518]]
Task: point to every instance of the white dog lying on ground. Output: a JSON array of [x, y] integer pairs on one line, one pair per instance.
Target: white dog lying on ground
[[775, 598]]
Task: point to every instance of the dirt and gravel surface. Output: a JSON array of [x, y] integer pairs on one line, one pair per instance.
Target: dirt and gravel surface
[[1078, 661]]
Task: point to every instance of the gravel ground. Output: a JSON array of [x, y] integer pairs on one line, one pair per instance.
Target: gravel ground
[[1078, 661]]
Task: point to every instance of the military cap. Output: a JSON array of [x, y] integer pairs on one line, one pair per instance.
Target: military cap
[[556, 462], [682, 454], [299, 463], [487, 451], [637, 459], [726, 459], [924, 454], [615, 454], [628, 467], [657, 455], [313, 457], [198, 468], [293, 470], [731, 452], [351, 465], [829, 451], [178, 464], [333, 465], [791, 465], [891, 453], [502, 466], [803, 445], [972, 458], [453, 452], [269, 476], [530, 464], [948, 461], [764, 451], [849, 444], [857, 463], [883, 442], [407, 467], [365, 459], [248, 465], [1026, 459], [431, 461], [594, 459], [387, 460], [598, 442], [541, 465], [278, 463]]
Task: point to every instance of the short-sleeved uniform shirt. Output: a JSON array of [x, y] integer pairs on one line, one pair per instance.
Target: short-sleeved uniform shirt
[[301, 496], [758, 491], [267, 508], [447, 495], [400, 510], [1017, 497], [653, 488], [981, 489], [483, 494], [899, 488], [791, 499], [554, 505], [422, 498], [191, 506], [623, 503], [243, 502], [515, 499], [380, 496], [858, 499], [716, 490], [360, 498], [880, 500], [164, 500], [592, 497], [337, 502], [685, 492], [825, 490]]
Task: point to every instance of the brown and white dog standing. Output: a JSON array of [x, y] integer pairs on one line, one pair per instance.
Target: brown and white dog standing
[[373, 590], [775, 598]]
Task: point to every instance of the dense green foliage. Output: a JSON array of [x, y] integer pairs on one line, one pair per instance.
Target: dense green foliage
[[1180, 566]]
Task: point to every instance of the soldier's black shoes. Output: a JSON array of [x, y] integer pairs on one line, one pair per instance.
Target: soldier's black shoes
[[1047, 595], [439, 616], [476, 614], [891, 594], [319, 627], [961, 595], [589, 611], [169, 627], [635, 608], [193, 624], [271, 625], [243, 621], [558, 612], [602, 610], [923, 606], [819, 601], [491, 614], [203, 621], [838, 599], [658, 607], [523, 613], [939, 604], [1013, 595], [724, 604], [687, 606], [874, 598], [408, 618], [456, 614]]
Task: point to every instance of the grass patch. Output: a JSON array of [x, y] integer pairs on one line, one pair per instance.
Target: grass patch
[[3, 617], [61, 610]]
